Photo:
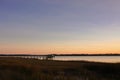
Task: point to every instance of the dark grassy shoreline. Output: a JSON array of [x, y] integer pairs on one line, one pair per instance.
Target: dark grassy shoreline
[[33, 69]]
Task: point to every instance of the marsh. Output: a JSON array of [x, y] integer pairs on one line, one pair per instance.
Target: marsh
[[34, 69]]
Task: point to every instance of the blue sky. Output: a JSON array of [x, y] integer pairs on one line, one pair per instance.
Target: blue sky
[[80, 26]]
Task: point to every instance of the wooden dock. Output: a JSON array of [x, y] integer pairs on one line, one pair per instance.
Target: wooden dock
[[40, 57]]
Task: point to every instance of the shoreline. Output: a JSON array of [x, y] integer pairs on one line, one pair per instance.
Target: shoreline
[[33, 69]]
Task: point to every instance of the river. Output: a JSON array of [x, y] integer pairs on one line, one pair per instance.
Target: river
[[108, 59]]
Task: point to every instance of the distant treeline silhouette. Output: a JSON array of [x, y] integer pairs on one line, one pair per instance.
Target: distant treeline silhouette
[[110, 54], [87, 54]]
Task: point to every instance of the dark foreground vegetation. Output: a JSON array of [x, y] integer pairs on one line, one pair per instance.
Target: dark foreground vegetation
[[31, 69]]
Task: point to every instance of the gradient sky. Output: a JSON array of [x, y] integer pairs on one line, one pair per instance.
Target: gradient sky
[[59, 26]]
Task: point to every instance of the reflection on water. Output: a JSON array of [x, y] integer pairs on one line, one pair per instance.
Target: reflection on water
[[113, 59]]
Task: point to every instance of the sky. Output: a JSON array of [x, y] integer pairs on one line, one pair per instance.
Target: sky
[[59, 26]]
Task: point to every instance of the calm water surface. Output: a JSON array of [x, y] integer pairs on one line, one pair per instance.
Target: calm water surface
[[110, 59]]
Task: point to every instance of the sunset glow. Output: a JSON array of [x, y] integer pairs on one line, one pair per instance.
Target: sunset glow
[[59, 26]]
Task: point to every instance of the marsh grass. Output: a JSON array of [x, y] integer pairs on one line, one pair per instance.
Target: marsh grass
[[33, 69]]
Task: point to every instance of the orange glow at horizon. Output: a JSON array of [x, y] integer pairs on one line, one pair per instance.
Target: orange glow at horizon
[[73, 48]]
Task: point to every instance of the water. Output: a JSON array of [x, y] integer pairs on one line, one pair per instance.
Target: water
[[108, 59]]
